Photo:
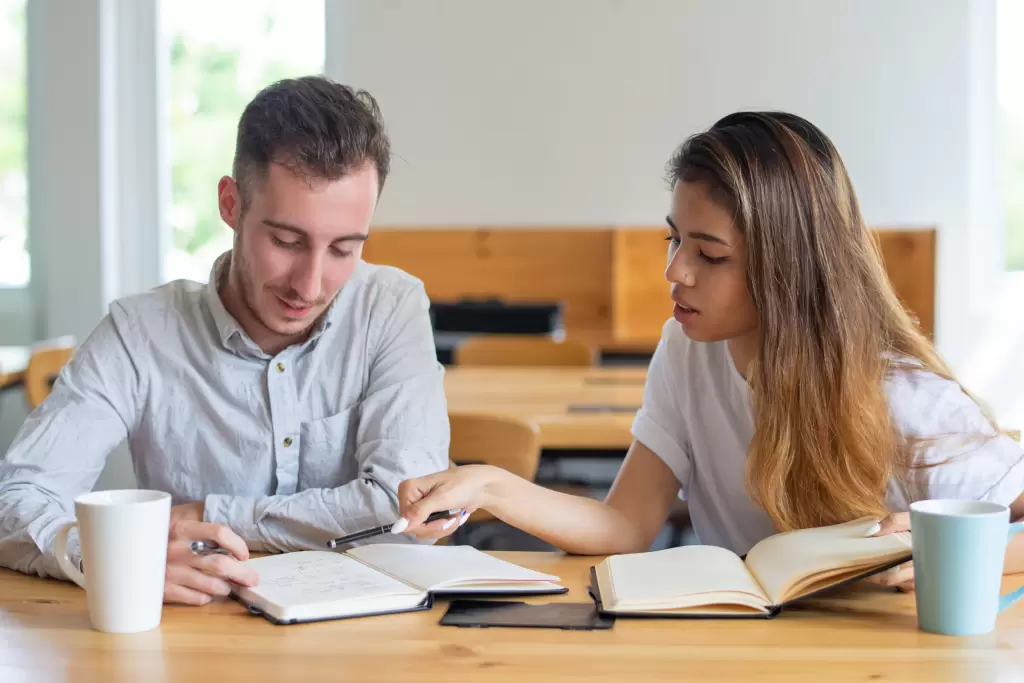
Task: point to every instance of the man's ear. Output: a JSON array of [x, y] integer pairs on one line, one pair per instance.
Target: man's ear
[[229, 201]]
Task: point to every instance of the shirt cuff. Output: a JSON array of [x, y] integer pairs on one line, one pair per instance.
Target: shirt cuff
[[238, 514], [74, 550]]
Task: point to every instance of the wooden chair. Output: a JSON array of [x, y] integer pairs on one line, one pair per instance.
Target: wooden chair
[[522, 350], [44, 365], [500, 441]]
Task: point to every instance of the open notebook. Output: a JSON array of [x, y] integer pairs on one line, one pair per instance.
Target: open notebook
[[383, 578], [708, 581]]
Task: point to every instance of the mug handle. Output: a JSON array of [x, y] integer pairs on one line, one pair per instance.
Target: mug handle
[[60, 549], [1010, 598]]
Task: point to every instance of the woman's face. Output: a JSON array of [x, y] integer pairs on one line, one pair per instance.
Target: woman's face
[[707, 268]]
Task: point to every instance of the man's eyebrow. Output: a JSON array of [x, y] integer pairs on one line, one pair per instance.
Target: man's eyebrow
[[355, 236]]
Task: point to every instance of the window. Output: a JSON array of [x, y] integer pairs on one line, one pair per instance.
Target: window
[[14, 264], [222, 54], [1011, 119]]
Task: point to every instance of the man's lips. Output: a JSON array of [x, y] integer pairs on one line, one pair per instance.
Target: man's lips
[[298, 310]]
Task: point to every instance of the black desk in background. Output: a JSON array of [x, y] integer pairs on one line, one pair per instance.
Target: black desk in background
[[454, 321]]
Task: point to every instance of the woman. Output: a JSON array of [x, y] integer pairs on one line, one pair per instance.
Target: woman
[[791, 390]]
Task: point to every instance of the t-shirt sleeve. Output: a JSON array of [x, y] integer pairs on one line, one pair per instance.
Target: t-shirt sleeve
[[659, 423], [958, 453]]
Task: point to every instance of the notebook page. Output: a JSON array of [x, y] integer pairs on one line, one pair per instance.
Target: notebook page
[[661, 579], [315, 577], [779, 562], [432, 567]]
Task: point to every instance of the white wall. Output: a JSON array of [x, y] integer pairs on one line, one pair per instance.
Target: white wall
[[539, 112]]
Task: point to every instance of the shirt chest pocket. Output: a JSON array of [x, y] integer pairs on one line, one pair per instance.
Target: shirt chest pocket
[[327, 451]]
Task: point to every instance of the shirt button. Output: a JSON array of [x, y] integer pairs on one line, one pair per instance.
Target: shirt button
[[280, 367], [287, 441]]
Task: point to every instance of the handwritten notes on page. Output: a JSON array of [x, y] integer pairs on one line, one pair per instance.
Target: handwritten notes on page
[[317, 577]]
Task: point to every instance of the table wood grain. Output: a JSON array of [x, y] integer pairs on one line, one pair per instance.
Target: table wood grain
[[863, 633]]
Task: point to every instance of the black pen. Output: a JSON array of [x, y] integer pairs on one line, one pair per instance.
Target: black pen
[[376, 531]]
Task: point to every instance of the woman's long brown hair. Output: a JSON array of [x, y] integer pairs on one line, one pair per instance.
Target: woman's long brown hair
[[831, 327]]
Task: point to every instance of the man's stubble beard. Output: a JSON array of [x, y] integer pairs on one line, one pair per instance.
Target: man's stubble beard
[[246, 287]]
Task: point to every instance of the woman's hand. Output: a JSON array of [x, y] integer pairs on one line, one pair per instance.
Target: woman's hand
[[462, 487], [900, 576]]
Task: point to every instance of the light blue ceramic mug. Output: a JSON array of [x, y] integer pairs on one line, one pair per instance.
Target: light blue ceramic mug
[[959, 548]]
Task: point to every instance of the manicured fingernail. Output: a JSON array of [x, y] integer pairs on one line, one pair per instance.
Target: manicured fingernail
[[463, 518], [873, 530], [893, 570], [401, 525], [446, 525]]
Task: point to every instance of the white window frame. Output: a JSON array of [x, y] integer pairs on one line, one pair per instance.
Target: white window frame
[[1014, 278], [92, 142], [16, 323]]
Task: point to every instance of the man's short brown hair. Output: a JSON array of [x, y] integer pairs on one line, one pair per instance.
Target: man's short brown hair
[[312, 125]]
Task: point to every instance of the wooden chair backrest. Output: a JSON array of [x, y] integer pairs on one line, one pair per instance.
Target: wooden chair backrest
[[43, 367], [505, 442]]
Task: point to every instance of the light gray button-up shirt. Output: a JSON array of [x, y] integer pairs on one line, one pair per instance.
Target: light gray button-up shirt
[[288, 450]]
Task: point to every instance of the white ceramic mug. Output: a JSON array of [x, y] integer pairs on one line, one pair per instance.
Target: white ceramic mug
[[123, 535]]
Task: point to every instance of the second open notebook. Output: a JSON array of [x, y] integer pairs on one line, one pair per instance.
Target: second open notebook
[[707, 581], [380, 578]]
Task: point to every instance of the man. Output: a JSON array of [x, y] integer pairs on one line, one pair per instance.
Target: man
[[282, 403]]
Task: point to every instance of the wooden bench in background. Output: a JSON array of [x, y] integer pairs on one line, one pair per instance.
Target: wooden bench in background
[[610, 279]]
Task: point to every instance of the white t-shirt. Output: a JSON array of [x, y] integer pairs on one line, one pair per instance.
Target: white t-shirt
[[698, 418]]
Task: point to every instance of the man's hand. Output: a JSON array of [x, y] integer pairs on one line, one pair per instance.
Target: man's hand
[[901, 576], [196, 580]]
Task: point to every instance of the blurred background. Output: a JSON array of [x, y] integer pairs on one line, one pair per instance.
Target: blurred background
[[530, 139]]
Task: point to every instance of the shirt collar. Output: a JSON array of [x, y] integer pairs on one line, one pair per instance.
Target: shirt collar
[[227, 327]]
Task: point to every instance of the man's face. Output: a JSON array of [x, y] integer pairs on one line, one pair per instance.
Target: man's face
[[297, 243]]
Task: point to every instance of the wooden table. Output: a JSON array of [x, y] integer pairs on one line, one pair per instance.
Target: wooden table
[[576, 408], [865, 633], [13, 361]]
